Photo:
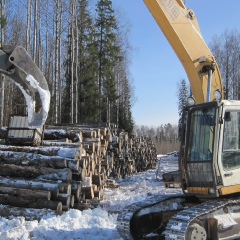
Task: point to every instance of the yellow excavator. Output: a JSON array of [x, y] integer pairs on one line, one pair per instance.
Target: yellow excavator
[[17, 64], [209, 162]]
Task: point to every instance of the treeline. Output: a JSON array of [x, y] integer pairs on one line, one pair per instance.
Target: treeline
[[82, 48], [165, 137], [226, 48]]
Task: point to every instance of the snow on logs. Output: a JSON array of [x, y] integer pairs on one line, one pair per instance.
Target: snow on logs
[[71, 169]]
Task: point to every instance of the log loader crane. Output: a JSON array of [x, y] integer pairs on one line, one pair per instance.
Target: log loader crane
[[209, 162], [17, 64]]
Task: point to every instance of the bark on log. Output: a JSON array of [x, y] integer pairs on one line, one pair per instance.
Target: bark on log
[[38, 173], [73, 164], [30, 159], [32, 185], [48, 151], [64, 198], [66, 188], [76, 190], [29, 214], [82, 162], [96, 179], [60, 133], [57, 154], [61, 144], [65, 208], [72, 153], [72, 200], [29, 203], [87, 192], [82, 206], [25, 193]]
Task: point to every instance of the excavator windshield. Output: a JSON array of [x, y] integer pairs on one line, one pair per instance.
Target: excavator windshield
[[201, 134]]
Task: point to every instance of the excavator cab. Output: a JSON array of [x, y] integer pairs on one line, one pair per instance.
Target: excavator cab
[[211, 160], [17, 64]]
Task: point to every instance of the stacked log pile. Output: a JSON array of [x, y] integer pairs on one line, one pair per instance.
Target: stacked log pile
[[71, 169]]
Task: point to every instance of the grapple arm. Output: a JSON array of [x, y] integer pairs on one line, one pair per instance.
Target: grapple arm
[[17, 64]]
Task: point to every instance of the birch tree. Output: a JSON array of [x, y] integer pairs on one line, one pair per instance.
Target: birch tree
[[226, 49], [2, 78]]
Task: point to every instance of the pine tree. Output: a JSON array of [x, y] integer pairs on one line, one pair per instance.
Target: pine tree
[[109, 56], [88, 66], [182, 103], [125, 119]]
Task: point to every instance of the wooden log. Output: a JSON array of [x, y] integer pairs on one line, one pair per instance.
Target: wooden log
[[32, 185], [97, 195], [65, 208], [61, 144], [88, 133], [63, 152], [76, 190], [63, 198], [72, 153], [82, 162], [82, 206], [73, 164], [92, 164], [30, 159], [59, 133], [3, 133], [30, 203], [65, 188], [38, 173], [87, 192], [101, 193], [25, 193], [29, 214], [72, 200], [96, 179], [98, 168], [60, 151], [79, 175]]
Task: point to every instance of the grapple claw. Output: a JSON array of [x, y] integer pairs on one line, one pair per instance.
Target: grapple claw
[[16, 63]]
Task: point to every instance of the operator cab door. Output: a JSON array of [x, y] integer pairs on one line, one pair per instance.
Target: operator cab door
[[229, 153], [200, 146]]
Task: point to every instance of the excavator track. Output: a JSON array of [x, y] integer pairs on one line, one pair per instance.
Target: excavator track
[[124, 221], [187, 223]]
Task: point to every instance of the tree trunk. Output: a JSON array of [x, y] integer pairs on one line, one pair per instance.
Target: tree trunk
[[29, 159], [31, 185], [20, 192], [38, 173], [29, 214], [59, 134], [30, 203]]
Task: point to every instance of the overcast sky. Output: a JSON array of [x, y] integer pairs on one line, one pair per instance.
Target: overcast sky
[[155, 67]]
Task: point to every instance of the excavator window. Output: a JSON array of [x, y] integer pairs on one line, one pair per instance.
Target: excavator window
[[231, 141], [201, 134]]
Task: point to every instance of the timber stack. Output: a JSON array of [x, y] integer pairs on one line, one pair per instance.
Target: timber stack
[[70, 170]]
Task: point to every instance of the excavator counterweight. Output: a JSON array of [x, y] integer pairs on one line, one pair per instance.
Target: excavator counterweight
[[17, 64]]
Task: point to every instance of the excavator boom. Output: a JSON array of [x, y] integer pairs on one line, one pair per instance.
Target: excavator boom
[[181, 29], [16, 63]]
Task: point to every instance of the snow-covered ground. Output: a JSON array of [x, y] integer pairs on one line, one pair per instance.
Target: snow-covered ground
[[96, 224]]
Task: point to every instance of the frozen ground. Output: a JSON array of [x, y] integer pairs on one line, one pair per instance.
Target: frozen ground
[[96, 224]]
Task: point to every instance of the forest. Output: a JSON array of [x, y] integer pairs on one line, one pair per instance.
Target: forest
[[83, 52]]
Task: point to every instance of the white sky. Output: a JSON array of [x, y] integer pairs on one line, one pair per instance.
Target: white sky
[[155, 68]]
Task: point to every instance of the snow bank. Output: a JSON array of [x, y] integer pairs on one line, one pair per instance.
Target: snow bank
[[88, 224]]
